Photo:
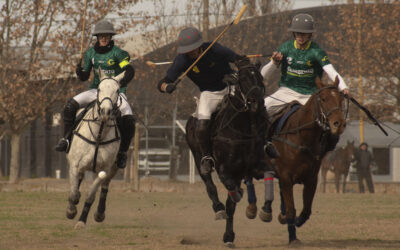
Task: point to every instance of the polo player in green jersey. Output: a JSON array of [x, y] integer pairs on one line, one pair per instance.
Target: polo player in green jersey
[[301, 61], [112, 61]]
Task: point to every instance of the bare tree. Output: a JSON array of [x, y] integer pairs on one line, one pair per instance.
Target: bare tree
[[38, 41], [206, 21]]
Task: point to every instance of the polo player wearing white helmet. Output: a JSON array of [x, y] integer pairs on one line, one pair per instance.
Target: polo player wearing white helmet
[[112, 61]]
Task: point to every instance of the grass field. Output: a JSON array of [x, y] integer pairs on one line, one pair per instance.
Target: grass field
[[182, 218]]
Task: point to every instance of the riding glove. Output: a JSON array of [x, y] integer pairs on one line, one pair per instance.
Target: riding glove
[[170, 88]]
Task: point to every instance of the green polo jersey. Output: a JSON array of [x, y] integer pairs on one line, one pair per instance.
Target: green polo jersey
[[301, 67], [111, 63]]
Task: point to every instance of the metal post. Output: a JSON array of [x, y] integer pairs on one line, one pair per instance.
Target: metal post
[[360, 79], [192, 170], [174, 149], [146, 166], [135, 166]]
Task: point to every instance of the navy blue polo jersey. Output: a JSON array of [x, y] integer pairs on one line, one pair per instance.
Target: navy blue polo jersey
[[209, 71]]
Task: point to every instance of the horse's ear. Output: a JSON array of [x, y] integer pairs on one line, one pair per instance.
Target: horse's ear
[[319, 83], [120, 76], [336, 83], [101, 74]]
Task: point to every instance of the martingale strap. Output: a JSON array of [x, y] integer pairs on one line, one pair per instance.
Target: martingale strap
[[117, 138], [98, 141]]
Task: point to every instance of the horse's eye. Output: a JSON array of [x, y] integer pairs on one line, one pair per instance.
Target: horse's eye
[[323, 99]]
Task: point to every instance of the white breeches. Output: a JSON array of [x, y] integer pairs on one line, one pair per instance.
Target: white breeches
[[90, 95], [282, 96], [208, 103]]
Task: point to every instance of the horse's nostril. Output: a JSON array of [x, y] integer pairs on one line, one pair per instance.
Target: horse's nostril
[[336, 124]]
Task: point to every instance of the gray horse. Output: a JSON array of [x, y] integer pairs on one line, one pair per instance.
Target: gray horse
[[94, 148]]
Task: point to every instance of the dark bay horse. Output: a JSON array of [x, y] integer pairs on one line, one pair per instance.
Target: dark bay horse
[[302, 144], [238, 130], [338, 161]]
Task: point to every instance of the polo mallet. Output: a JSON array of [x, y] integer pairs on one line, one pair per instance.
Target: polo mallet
[[236, 21], [368, 113], [154, 64], [83, 31]]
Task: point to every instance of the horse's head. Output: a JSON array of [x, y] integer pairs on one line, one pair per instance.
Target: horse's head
[[350, 149], [107, 96], [329, 107], [250, 85]]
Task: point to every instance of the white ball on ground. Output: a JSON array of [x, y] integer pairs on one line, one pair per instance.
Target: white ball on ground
[[102, 174]]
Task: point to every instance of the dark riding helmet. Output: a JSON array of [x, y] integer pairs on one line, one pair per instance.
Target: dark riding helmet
[[364, 143], [104, 27], [189, 39], [302, 23]]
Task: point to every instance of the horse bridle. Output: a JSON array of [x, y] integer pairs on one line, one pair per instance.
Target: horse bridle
[[115, 106], [322, 119], [244, 97]]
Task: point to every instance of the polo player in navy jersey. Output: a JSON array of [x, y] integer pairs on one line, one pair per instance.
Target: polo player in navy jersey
[[208, 75]]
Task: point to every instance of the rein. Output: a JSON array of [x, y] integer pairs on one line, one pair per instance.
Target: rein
[[244, 107], [320, 118], [95, 120], [323, 123]]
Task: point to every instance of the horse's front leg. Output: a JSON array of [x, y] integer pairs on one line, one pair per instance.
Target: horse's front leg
[[287, 193], [75, 180], [233, 187], [337, 181], [100, 215], [91, 195], [217, 205], [308, 195], [251, 210], [324, 171], [229, 235], [344, 183]]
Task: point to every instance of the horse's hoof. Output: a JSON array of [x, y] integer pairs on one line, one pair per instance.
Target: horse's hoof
[[251, 211], [79, 225], [71, 212], [99, 217], [229, 244], [300, 221], [265, 216], [74, 199], [294, 243], [221, 215], [282, 219]]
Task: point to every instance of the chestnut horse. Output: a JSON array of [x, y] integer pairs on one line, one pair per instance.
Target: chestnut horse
[[237, 132], [302, 144], [338, 162]]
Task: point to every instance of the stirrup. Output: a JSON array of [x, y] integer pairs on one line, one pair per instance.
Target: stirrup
[[207, 163], [62, 145]]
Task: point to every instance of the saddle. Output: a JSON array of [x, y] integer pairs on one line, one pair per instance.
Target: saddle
[[278, 120], [78, 118]]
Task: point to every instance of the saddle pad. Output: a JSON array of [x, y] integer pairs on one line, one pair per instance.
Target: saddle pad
[[283, 119]]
